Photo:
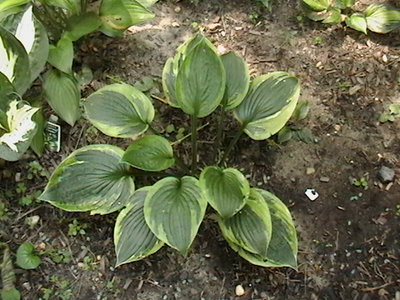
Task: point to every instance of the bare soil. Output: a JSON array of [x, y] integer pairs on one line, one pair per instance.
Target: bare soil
[[349, 237]]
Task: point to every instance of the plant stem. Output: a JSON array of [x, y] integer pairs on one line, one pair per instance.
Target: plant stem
[[194, 143], [218, 139], [231, 145], [188, 135]]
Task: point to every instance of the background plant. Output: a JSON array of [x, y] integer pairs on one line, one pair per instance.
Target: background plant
[[33, 33], [377, 17], [101, 178]]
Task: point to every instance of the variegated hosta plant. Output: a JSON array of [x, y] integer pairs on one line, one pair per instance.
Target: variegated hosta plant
[[101, 178], [377, 17]]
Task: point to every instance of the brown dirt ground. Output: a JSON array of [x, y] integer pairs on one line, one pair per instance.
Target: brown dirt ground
[[349, 248]]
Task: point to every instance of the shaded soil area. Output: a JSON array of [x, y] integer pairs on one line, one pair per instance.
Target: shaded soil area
[[349, 237]]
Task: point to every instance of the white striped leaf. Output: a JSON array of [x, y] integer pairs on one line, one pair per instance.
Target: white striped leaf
[[282, 249], [150, 153], [63, 95], [10, 7], [251, 227], [382, 18], [33, 36], [270, 102], [358, 22], [133, 238], [174, 209], [119, 110], [226, 190], [92, 179], [200, 82], [20, 130], [14, 62], [237, 80]]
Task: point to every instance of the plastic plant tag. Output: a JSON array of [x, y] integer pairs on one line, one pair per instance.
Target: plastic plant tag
[[311, 194], [53, 136]]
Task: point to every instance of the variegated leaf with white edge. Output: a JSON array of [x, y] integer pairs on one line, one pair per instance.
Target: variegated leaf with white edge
[[91, 178], [133, 238]]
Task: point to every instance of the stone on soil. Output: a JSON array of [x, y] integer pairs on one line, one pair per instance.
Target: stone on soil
[[386, 174]]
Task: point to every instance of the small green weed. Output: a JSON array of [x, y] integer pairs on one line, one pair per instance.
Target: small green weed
[[76, 228]]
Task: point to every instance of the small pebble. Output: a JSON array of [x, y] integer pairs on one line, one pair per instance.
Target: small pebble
[[386, 174], [177, 9], [310, 171], [324, 179], [337, 127], [175, 24], [239, 290]]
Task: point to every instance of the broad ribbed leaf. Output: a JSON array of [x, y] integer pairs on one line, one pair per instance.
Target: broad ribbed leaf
[[115, 17], [137, 12], [62, 55], [282, 249], [119, 110], [21, 130], [150, 153], [317, 5], [14, 62], [333, 16], [345, 3], [73, 6], [237, 80], [200, 82], [7, 92], [174, 209], [173, 65], [382, 18], [10, 7], [37, 144], [316, 15], [81, 25], [133, 238], [251, 227], [33, 36], [92, 179], [63, 95], [226, 190], [268, 105], [358, 22], [147, 3]]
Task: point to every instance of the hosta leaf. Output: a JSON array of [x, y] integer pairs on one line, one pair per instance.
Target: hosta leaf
[[62, 55], [333, 16], [173, 65], [21, 130], [150, 153], [14, 62], [7, 92], [81, 25], [115, 17], [63, 95], [237, 80], [37, 144], [92, 179], [33, 36], [137, 12], [251, 227], [200, 83], [317, 15], [73, 6], [345, 3], [133, 238], [282, 248], [147, 3], [119, 110], [174, 209], [10, 7], [225, 189], [317, 5], [358, 22], [268, 105], [301, 111], [26, 257], [382, 18]]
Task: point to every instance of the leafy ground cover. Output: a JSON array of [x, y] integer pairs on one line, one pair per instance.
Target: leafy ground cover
[[348, 237]]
